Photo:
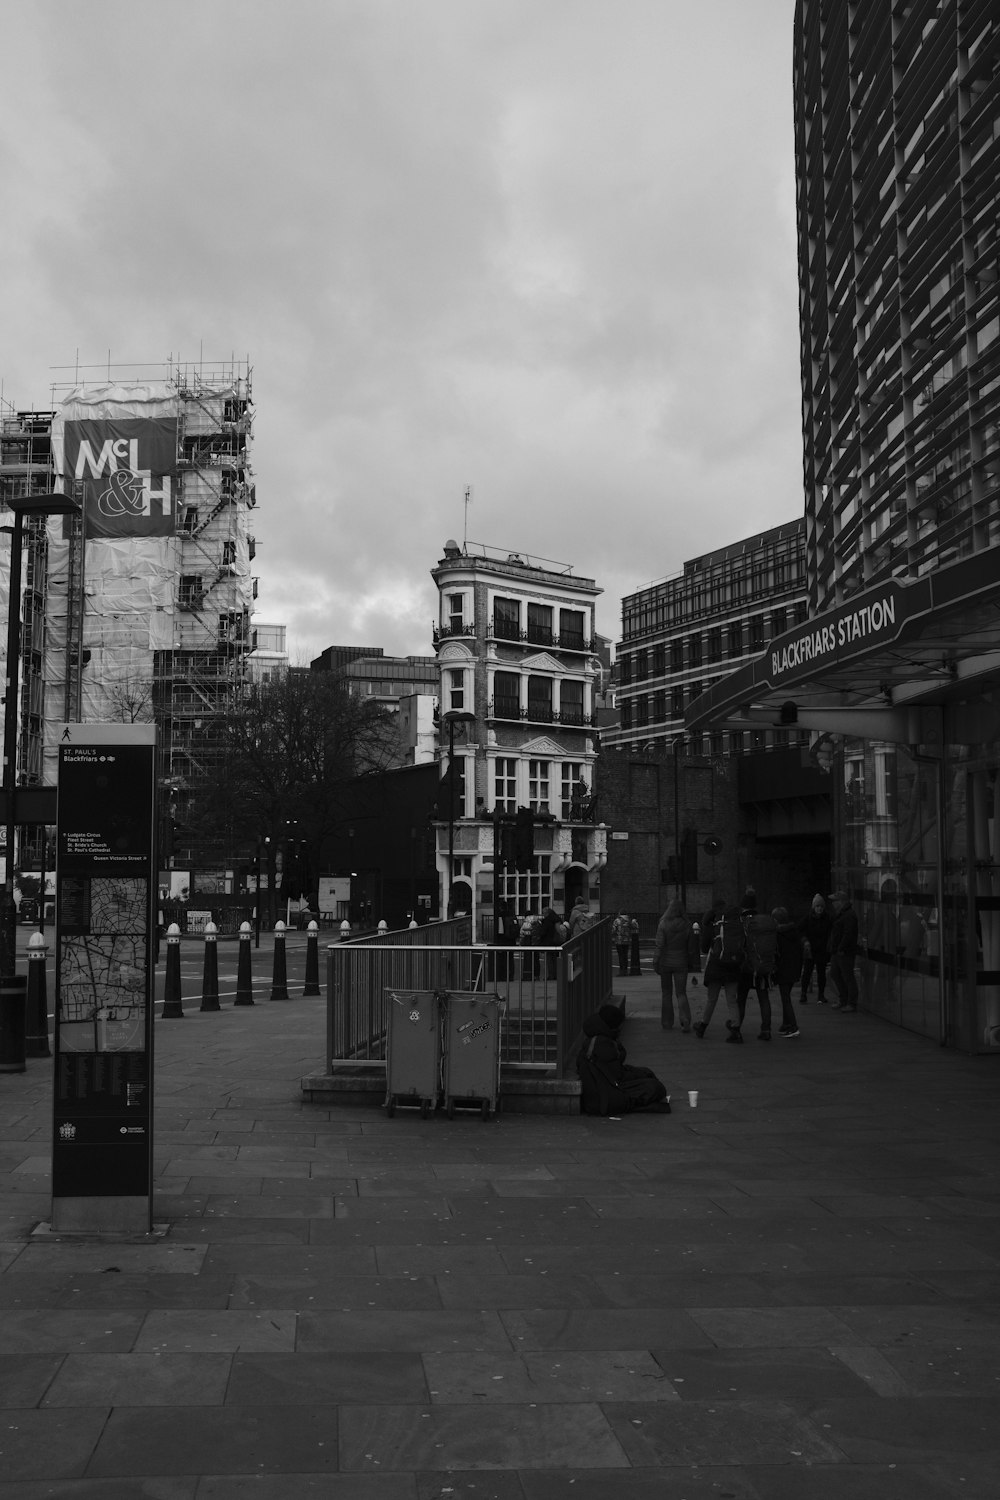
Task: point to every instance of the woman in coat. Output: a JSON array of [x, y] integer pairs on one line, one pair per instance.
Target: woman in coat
[[674, 934], [816, 932], [787, 967]]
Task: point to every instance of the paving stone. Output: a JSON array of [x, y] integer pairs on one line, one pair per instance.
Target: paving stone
[[913, 1429], [773, 1327], [470, 1292], [310, 1487], [421, 1332], [26, 1331], [731, 1432], [683, 1483], [609, 1375], [133, 1488], [247, 1440], [62, 1256], [343, 1293], [331, 1376], [175, 1331], [24, 1378], [49, 1444], [463, 1437], [140, 1380], [797, 1376], [633, 1328]]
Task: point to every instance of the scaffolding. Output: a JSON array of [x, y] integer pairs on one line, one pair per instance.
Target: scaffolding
[[140, 627]]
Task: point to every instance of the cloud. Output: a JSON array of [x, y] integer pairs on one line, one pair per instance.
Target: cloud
[[546, 250]]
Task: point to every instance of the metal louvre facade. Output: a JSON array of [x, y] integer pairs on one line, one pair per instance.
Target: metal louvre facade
[[897, 122]]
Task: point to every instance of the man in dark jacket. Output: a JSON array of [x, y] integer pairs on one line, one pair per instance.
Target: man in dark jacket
[[608, 1084], [844, 951]]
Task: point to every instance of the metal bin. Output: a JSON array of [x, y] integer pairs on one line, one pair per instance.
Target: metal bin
[[472, 1024], [413, 1050]]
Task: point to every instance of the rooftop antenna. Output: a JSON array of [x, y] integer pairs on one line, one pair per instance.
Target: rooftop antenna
[[465, 532]]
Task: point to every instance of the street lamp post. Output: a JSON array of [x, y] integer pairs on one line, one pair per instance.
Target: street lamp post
[[21, 505]]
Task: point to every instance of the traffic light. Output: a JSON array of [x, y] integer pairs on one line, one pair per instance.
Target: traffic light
[[524, 840]]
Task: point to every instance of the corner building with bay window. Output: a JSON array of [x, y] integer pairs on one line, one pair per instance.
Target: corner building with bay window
[[516, 648], [897, 669]]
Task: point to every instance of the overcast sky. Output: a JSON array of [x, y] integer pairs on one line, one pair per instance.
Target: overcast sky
[[542, 247]]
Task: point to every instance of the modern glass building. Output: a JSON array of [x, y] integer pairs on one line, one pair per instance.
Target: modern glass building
[[897, 129]]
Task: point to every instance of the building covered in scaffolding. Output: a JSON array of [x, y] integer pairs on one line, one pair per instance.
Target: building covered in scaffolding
[[140, 610]]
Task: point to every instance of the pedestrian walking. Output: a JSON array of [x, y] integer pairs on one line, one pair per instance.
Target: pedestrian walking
[[844, 951], [787, 966], [621, 936], [759, 954], [673, 959], [580, 917], [722, 968], [815, 949]]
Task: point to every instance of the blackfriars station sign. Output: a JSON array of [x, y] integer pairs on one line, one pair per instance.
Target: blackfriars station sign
[[849, 630]]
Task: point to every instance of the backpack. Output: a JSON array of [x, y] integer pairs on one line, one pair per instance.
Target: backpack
[[761, 942], [731, 941]]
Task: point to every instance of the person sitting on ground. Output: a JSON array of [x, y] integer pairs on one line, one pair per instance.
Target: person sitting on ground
[[608, 1084]]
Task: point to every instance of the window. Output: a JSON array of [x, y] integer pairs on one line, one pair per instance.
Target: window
[[626, 713], [779, 622], [757, 633], [642, 709], [507, 619], [507, 695], [540, 624], [572, 789], [641, 665], [659, 660], [715, 644], [660, 706], [505, 785], [538, 785], [527, 892], [677, 654], [625, 668], [456, 614], [571, 703], [736, 638], [677, 703], [456, 689], [694, 650], [540, 699], [229, 554], [571, 629], [191, 591]]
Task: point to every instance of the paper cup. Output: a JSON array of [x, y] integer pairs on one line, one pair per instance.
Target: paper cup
[[693, 1098]]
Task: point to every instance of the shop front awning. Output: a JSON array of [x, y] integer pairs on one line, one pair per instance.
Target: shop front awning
[[880, 666]]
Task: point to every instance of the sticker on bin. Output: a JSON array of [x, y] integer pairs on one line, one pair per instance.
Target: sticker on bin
[[470, 1031], [414, 1015]]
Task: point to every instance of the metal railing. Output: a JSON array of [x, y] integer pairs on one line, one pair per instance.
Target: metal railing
[[547, 991]]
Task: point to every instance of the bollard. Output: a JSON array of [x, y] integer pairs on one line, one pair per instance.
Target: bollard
[[244, 982], [36, 1023], [634, 966], [279, 974], [173, 1010], [210, 972], [345, 930], [312, 961], [12, 1002]]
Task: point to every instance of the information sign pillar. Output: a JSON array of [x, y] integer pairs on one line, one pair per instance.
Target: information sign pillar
[[102, 1140]]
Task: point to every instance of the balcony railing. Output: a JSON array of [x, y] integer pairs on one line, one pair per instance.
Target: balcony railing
[[511, 711], [536, 635], [453, 629]]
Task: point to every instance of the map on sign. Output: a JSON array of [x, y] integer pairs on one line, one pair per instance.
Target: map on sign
[[102, 966]]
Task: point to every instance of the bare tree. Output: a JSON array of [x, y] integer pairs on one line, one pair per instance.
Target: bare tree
[[289, 752]]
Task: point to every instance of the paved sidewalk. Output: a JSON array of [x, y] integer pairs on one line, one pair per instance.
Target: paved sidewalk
[[791, 1292]]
